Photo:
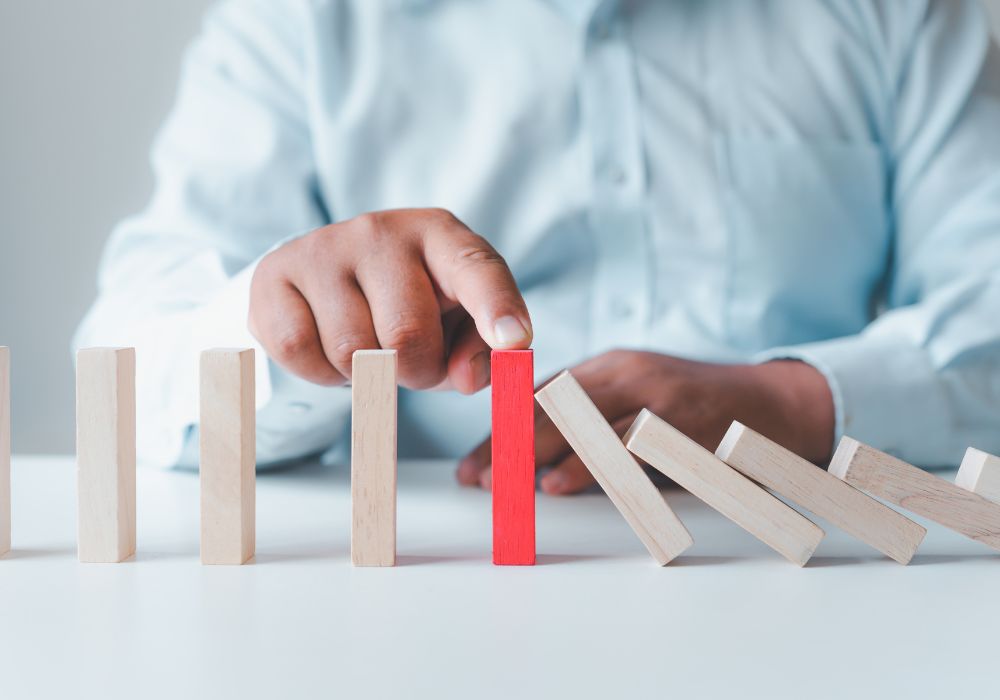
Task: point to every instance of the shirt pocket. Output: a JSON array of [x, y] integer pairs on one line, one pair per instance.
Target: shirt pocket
[[808, 238]]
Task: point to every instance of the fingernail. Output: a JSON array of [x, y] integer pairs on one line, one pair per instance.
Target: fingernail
[[510, 331], [554, 483], [468, 470], [480, 365], [486, 479]]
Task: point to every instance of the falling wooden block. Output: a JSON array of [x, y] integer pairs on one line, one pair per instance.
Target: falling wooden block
[[815, 489], [980, 473], [4, 450], [707, 477], [373, 458], [105, 450], [228, 456], [600, 449], [513, 446], [920, 492]]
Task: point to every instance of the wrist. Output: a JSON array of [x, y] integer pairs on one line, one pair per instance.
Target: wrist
[[803, 403]]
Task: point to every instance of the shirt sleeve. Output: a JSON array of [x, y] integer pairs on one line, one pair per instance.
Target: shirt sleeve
[[922, 381], [234, 176]]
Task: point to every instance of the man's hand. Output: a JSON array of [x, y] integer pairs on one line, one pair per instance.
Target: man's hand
[[415, 280], [788, 401]]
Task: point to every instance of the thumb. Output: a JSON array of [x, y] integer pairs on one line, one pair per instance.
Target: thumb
[[471, 273]]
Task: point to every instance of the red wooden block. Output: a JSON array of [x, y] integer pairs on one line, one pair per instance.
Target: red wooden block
[[513, 457]]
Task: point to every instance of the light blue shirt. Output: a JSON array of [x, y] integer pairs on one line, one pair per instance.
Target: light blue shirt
[[728, 181]]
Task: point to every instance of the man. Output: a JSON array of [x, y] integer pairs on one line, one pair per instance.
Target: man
[[787, 212]]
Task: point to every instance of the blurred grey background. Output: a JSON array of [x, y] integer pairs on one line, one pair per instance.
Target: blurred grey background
[[83, 88]]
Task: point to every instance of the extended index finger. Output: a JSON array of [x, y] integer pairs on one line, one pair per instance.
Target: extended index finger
[[470, 272]]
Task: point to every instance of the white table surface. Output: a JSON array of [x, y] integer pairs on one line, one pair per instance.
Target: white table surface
[[595, 618]]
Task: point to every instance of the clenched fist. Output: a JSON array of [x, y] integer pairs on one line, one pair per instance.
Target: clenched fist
[[414, 280]]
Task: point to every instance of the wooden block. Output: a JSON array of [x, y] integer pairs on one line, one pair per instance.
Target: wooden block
[[228, 456], [601, 450], [706, 476], [815, 489], [4, 450], [373, 458], [917, 491], [513, 446], [980, 473], [105, 452]]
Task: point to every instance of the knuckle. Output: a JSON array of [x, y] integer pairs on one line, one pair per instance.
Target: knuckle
[[367, 221], [419, 367], [308, 246], [292, 344], [341, 349], [405, 334], [439, 215], [267, 272], [629, 360], [647, 363], [313, 245], [374, 227], [478, 253], [616, 354]]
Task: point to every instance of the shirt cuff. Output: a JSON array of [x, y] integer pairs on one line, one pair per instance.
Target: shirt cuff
[[222, 322], [294, 417], [885, 390]]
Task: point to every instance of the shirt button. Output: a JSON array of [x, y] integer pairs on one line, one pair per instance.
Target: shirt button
[[299, 407], [616, 174], [621, 308]]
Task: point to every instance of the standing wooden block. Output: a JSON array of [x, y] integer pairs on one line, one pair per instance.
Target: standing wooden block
[[787, 474], [105, 451], [917, 491], [599, 448], [980, 473], [373, 458], [228, 456], [706, 476], [4, 450], [513, 445]]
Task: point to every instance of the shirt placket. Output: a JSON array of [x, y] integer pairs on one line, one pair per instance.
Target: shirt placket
[[620, 308]]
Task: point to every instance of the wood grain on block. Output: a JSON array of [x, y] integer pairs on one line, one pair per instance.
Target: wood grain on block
[[918, 491], [105, 452], [228, 456], [513, 446], [980, 472], [802, 482], [373, 458], [601, 450], [713, 481], [4, 450]]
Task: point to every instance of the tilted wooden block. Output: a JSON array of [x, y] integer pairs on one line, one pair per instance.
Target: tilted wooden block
[[706, 476], [373, 458], [980, 473], [228, 456], [917, 491], [802, 482], [513, 446], [4, 450], [105, 450], [600, 449]]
